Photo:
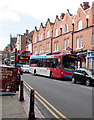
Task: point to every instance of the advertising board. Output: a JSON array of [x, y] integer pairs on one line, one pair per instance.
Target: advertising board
[[8, 79]]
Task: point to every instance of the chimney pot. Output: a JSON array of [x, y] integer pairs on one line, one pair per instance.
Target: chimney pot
[[27, 31], [62, 16], [85, 5]]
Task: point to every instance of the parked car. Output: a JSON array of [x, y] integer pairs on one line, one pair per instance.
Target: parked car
[[25, 68], [83, 76]]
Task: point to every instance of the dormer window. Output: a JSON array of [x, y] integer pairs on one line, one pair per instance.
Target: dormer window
[[56, 32], [48, 34], [66, 28], [79, 24], [40, 37], [35, 40]]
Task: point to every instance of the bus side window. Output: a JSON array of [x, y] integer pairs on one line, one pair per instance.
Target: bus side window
[[58, 66], [52, 65]]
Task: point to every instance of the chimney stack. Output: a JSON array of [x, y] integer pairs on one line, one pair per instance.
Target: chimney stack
[[85, 5], [62, 16], [27, 32]]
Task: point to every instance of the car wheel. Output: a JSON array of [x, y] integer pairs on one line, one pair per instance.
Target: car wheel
[[88, 82], [73, 80]]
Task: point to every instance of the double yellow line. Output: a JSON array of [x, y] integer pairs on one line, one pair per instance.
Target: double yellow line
[[46, 104]]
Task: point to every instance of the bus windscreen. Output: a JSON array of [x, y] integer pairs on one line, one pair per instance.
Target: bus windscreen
[[70, 62]]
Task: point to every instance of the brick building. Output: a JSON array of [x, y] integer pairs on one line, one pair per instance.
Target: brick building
[[68, 33], [3, 56], [24, 42]]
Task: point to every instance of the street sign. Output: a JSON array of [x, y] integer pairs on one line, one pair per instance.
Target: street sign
[[8, 79]]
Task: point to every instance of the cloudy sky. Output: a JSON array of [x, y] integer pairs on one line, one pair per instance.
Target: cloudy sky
[[18, 15]]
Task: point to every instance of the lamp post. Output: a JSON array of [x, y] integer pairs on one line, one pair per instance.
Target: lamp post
[[15, 56], [72, 33]]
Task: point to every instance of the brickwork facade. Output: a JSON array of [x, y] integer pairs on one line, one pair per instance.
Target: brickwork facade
[[58, 36]]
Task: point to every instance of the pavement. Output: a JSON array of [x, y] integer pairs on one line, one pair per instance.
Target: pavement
[[12, 107]]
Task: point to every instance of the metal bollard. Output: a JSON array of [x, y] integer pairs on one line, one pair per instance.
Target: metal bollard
[[31, 110], [21, 91], [18, 82]]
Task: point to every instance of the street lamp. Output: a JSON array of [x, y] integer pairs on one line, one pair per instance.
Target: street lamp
[[15, 56], [72, 33]]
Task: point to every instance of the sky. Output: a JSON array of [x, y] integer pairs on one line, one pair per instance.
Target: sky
[[18, 15]]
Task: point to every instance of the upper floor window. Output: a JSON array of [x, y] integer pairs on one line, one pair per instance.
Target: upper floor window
[[79, 42], [40, 37], [56, 46], [66, 28], [48, 34], [93, 39], [47, 47], [66, 43], [35, 40], [41, 49], [93, 19], [35, 50], [56, 32], [79, 24]]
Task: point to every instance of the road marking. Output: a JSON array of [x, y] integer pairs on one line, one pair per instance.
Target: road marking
[[47, 107], [59, 113], [44, 104]]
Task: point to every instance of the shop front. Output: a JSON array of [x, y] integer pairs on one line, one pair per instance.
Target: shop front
[[90, 60]]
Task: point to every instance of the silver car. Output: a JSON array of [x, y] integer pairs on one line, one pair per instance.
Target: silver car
[[25, 68]]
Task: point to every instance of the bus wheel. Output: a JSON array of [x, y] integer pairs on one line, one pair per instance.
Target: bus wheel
[[51, 74], [73, 80], [34, 72]]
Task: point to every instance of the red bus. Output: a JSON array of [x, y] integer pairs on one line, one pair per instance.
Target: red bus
[[55, 66], [22, 57]]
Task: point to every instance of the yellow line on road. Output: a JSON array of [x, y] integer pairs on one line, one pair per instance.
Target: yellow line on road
[[47, 107], [59, 113]]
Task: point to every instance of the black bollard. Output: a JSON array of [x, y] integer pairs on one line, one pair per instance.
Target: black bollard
[[21, 91], [31, 110], [18, 82]]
